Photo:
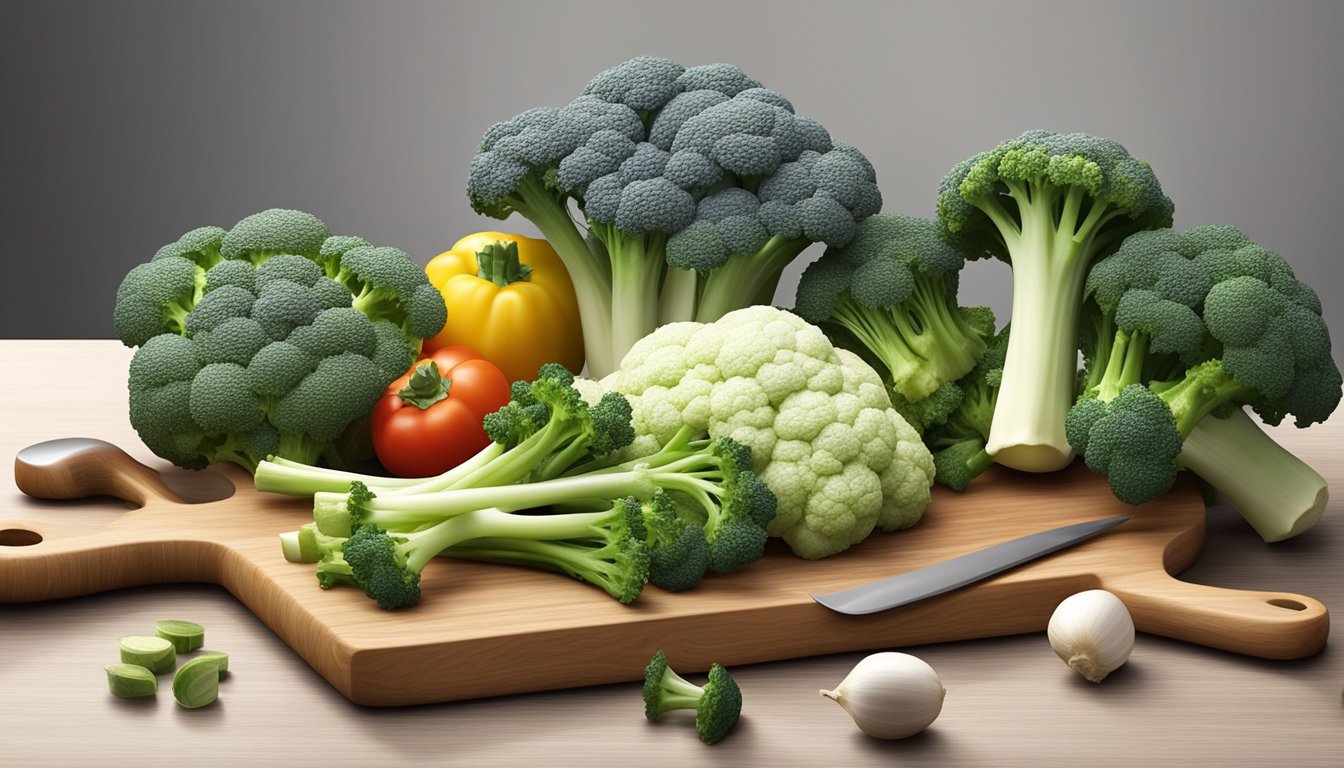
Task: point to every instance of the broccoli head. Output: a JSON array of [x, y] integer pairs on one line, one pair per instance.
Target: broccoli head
[[294, 334], [1050, 204]]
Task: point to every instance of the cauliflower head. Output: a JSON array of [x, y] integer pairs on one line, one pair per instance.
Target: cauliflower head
[[818, 421]]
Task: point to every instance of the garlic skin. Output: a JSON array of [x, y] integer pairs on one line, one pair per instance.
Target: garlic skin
[[890, 695], [1092, 632]]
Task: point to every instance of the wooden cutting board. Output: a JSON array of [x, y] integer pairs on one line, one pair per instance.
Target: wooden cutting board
[[483, 630]]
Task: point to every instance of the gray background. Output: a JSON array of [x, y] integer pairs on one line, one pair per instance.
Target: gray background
[[125, 124]]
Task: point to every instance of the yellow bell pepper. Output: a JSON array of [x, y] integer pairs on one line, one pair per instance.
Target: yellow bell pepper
[[510, 299]]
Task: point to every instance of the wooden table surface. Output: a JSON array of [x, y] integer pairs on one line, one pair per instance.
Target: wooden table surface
[[1010, 701]]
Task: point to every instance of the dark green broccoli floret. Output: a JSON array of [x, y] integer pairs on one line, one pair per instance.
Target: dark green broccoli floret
[[892, 290], [156, 297], [717, 704], [1050, 204], [678, 552], [260, 236]]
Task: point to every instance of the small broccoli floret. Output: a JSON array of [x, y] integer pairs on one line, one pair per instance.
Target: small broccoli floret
[[892, 290], [387, 285], [260, 236], [678, 552], [157, 297], [717, 704], [958, 441], [1050, 204]]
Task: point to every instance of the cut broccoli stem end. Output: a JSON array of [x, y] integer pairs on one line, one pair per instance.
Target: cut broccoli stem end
[[1275, 491], [744, 277], [590, 275], [1040, 366]]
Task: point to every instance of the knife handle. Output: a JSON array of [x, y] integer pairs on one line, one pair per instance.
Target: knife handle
[[1270, 625]]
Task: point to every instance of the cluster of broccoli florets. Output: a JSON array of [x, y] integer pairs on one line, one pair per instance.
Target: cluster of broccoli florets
[[693, 506], [1180, 332], [270, 338], [697, 187]]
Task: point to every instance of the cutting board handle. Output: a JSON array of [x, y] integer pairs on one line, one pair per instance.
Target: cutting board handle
[[41, 560], [80, 467], [1270, 625]]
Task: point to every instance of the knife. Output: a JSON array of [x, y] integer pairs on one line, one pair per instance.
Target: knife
[[952, 574]]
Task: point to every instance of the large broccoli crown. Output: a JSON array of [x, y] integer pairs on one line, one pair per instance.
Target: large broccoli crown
[[1100, 179], [286, 357]]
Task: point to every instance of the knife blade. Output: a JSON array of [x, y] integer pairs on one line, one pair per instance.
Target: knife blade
[[958, 572]]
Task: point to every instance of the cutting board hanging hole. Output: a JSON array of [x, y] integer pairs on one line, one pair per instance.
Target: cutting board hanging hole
[[1292, 605], [19, 537]]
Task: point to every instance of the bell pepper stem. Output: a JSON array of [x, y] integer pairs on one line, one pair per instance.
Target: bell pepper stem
[[498, 263]]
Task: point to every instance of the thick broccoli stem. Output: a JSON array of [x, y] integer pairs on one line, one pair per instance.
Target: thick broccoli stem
[[1277, 493], [681, 292], [294, 478], [1050, 254], [744, 277], [591, 276], [921, 341], [637, 266]]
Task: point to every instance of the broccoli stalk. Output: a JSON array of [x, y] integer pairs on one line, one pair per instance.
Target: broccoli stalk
[[602, 548], [746, 279], [717, 704], [1050, 205], [1277, 493]]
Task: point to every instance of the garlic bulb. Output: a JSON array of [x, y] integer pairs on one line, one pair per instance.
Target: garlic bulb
[[1092, 632], [890, 695]]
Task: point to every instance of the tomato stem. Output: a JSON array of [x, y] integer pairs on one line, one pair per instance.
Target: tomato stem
[[425, 387]]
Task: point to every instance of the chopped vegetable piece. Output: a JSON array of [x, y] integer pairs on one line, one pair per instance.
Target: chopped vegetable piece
[[196, 683], [185, 636], [154, 653], [130, 681]]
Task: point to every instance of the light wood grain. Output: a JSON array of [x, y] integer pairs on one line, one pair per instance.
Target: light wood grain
[[483, 629]]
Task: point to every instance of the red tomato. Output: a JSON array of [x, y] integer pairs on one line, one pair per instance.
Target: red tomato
[[416, 441]]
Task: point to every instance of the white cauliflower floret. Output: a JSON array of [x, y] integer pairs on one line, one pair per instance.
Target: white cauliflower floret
[[818, 421]]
